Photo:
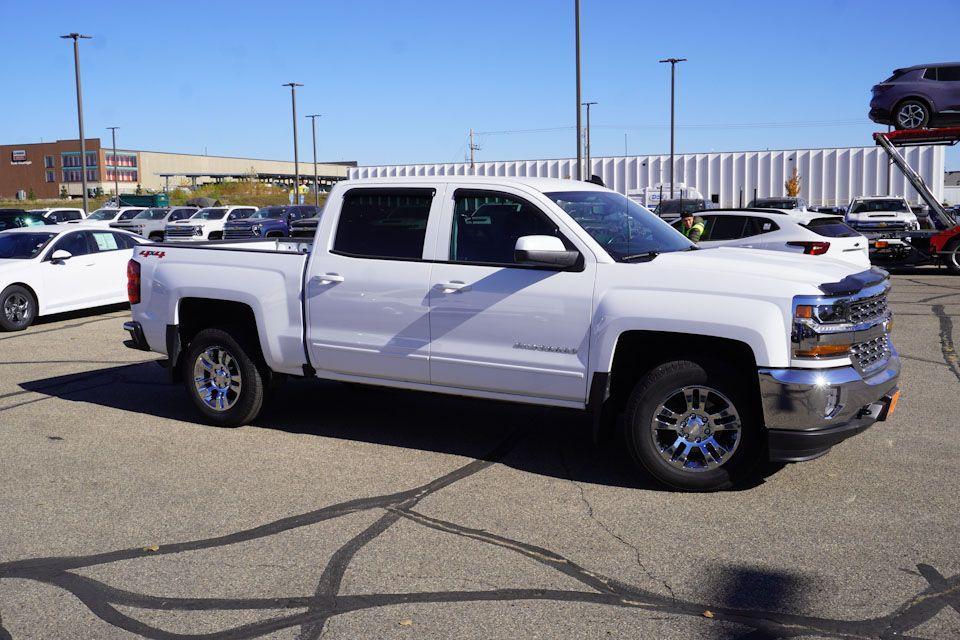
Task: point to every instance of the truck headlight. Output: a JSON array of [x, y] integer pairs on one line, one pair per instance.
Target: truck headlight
[[257, 228], [821, 331], [821, 313], [197, 231]]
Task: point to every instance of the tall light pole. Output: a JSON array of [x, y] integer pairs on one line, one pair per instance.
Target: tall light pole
[[576, 7], [589, 168], [296, 158], [316, 189], [76, 37], [673, 74], [116, 177]]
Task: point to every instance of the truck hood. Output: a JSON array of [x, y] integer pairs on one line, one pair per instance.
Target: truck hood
[[751, 272]]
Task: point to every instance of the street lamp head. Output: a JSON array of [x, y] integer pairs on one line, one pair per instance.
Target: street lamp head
[[292, 84], [314, 115], [75, 36], [674, 60]]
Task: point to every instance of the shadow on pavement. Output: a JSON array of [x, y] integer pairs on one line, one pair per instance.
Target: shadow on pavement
[[553, 442], [81, 313]]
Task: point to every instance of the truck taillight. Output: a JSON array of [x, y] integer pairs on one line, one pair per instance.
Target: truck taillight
[[133, 282], [812, 248]]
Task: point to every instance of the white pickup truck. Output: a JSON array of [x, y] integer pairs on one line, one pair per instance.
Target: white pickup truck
[[206, 224], [551, 292]]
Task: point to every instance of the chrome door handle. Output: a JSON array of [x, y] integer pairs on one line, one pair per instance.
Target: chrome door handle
[[327, 278], [454, 286]]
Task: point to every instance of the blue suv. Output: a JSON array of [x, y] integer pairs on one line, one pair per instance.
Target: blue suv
[[268, 222]]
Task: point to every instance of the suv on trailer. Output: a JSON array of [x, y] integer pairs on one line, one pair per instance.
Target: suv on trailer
[[918, 97], [881, 213]]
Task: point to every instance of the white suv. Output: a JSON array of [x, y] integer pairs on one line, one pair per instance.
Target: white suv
[[881, 213], [206, 224], [60, 215]]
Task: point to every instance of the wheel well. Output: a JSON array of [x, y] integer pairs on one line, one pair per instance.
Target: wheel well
[[156, 234], [197, 314], [915, 99], [28, 288], [640, 351]]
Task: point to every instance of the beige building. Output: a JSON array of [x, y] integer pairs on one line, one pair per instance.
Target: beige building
[[50, 169]]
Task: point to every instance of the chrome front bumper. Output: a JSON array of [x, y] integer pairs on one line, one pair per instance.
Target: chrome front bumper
[[806, 411]]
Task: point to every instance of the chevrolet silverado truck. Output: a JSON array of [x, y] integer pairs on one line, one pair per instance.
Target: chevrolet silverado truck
[[542, 291], [269, 222], [206, 224]]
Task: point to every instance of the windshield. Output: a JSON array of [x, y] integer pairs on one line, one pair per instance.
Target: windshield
[[103, 214], [621, 226], [153, 214], [23, 246], [269, 212], [210, 214], [774, 203], [22, 220], [130, 215], [879, 205], [678, 206]]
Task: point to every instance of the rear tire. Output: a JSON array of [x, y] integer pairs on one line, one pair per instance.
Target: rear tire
[[693, 426], [951, 256], [18, 308], [224, 378], [911, 114]]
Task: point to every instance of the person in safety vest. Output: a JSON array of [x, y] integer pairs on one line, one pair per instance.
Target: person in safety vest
[[691, 226]]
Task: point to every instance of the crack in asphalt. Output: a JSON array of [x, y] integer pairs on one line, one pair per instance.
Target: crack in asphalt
[[591, 514], [327, 601], [946, 340]]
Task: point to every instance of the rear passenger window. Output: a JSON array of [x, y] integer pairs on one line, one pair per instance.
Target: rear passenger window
[[930, 74], [948, 74], [831, 228], [383, 223], [486, 226], [725, 228], [759, 226]]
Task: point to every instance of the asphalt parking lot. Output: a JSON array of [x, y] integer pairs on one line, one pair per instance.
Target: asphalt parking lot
[[349, 512]]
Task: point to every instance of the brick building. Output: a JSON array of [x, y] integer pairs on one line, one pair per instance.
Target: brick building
[[51, 168]]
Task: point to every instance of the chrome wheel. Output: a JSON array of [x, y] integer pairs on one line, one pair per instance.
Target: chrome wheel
[[911, 115], [216, 376], [16, 308], [696, 429]]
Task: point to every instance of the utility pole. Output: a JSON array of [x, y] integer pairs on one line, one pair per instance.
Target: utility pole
[[76, 37], [296, 158], [116, 177], [576, 7], [587, 140], [473, 147], [316, 188], [673, 74]]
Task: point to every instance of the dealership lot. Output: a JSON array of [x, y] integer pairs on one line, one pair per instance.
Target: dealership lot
[[352, 512]]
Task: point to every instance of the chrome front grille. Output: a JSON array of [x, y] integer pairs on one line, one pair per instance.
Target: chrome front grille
[[860, 311], [236, 234], [870, 355], [180, 232]]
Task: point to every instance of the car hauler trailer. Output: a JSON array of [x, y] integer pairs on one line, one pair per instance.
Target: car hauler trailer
[[939, 244]]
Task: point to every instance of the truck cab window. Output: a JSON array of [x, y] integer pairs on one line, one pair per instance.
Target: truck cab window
[[486, 226], [383, 223]]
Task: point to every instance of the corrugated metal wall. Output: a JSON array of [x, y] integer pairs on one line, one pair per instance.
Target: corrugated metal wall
[[828, 176]]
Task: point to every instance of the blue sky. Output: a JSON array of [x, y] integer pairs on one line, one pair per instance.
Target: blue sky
[[403, 81]]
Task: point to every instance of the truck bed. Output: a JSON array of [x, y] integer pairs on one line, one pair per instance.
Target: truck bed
[[265, 276]]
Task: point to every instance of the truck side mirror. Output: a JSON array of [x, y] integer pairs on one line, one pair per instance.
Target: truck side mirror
[[546, 251]]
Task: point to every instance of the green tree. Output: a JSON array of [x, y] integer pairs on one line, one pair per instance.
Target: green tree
[[139, 189], [63, 192], [31, 195]]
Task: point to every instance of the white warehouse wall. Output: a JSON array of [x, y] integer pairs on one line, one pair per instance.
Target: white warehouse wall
[[828, 176]]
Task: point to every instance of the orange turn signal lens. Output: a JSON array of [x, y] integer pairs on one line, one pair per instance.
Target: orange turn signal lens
[[804, 311], [824, 351], [893, 403], [881, 244]]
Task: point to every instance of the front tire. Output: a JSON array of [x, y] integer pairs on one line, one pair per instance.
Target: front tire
[[224, 378], [951, 256], [18, 308], [692, 426], [911, 114]]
